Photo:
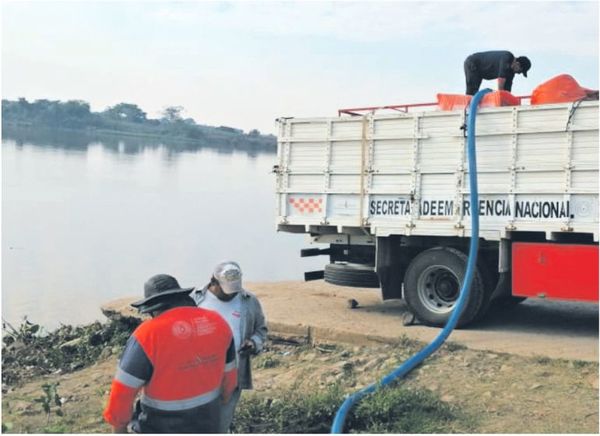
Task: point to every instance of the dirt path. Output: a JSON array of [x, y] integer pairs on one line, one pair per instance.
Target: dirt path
[[533, 328], [545, 328]]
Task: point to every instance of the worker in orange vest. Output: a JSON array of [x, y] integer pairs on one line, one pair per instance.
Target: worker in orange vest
[[184, 361]]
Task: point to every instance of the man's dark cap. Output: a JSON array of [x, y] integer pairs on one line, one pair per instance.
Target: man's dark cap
[[525, 64], [161, 287]]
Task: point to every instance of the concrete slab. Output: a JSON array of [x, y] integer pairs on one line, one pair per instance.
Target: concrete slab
[[319, 311]]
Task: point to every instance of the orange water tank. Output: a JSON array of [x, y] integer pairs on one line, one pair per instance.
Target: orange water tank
[[560, 89], [450, 102]]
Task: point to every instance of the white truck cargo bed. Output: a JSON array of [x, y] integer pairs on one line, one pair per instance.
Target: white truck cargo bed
[[407, 173]]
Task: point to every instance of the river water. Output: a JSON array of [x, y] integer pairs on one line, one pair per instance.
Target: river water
[[86, 221]]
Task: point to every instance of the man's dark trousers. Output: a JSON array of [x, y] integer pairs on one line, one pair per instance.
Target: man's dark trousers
[[472, 77]]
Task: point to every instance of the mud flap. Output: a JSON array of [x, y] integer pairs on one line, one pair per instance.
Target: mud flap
[[389, 268]]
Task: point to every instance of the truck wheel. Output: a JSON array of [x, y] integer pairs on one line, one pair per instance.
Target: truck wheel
[[354, 275], [489, 280], [432, 285]]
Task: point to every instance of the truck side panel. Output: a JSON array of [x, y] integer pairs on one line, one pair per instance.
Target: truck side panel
[[407, 174]]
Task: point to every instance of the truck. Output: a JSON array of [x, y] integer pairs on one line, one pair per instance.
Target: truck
[[386, 191]]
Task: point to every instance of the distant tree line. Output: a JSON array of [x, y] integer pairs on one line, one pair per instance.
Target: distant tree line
[[126, 118]]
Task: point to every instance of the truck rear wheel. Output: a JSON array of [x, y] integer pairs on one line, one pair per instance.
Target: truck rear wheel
[[354, 275], [432, 286]]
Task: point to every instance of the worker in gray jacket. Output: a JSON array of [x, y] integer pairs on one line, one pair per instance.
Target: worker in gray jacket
[[243, 312]]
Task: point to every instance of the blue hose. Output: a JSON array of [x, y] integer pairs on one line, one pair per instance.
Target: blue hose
[[416, 359]]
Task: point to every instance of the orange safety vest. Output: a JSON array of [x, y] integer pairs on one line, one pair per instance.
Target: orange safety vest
[[184, 359]]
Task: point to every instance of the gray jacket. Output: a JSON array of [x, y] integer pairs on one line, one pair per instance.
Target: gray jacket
[[253, 326]]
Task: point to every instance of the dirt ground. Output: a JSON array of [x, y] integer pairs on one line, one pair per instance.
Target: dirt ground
[[501, 393], [530, 370]]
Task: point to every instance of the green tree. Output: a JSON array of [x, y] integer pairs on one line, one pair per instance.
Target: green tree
[[126, 112], [76, 109], [172, 114]]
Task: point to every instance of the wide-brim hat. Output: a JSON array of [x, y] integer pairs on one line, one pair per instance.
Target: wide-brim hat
[[160, 287]]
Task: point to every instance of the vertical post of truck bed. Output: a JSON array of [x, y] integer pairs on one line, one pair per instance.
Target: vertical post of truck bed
[[415, 180], [370, 157], [513, 169], [361, 198], [327, 171], [366, 174], [278, 170], [460, 180], [285, 177], [569, 165]]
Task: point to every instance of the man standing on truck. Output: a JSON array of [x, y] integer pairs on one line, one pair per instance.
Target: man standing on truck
[[242, 310], [489, 65], [183, 358]]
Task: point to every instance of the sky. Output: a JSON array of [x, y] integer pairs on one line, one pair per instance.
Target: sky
[[244, 64]]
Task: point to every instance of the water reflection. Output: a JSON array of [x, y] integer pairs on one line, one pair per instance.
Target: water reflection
[[81, 140], [86, 220]]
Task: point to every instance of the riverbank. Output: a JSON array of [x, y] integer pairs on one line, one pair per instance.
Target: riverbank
[[300, 382]]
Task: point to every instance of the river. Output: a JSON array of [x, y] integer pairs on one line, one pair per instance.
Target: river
[[86, 220]]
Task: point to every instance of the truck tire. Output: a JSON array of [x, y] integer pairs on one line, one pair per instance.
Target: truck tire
[[354, 275], [489, 282], [432, 285]]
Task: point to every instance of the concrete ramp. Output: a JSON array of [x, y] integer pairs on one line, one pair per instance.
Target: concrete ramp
[[318, 311]]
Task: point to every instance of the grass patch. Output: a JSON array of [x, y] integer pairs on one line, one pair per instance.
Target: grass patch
[[265, 361], [389, 410], [400, 410], [411, 344], [543, 360], [289, 412], [455, 346], [56, 428]]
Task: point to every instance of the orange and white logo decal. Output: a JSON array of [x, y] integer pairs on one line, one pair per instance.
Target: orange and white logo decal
[[306, 205]]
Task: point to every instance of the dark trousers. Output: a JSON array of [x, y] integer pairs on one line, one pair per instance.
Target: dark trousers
[[228, 410], [472, 77], [200, 420]]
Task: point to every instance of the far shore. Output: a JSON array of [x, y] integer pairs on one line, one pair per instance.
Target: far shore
[[65, 136], [100, 131]]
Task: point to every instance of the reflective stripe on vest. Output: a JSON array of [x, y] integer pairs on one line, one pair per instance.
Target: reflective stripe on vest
[[128, 379], [229, 366], [188, 403]]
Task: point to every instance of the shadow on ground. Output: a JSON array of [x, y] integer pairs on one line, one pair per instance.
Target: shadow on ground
[[531, 316]]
